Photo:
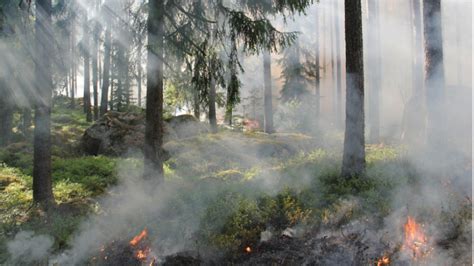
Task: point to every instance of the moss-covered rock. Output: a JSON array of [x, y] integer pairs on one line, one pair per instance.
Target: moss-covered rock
[[119, 133]]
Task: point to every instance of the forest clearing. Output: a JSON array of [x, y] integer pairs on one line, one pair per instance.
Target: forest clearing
[[235, 132]]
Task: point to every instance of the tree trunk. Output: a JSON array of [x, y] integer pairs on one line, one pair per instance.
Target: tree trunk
[[106, 76], [121, 77], [374, 82], [338, 67], [87, 92], [42, 183], [6, 120], [67, 84], [317, 91], [333, 64], [95, 71], [73, 67], [139, 74], [6, 115], [434, 73], [267, 94], [112, 82], [418, 49], [127, 91], [353, 162], [153, 151], [196, 104], [212, 106], [228, 115]]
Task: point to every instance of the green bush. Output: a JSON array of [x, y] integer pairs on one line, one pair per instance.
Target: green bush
[[95, 173], [284, 210], [232, 221], [18, 155]]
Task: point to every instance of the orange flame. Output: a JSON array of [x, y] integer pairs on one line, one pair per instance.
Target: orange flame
[[248, 249], [135, 240], [415, 240], [142, 254], [383, 261]]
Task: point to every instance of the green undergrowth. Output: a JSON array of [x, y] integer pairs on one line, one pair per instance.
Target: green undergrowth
[[76, 181], [305, 190], [235, 192]]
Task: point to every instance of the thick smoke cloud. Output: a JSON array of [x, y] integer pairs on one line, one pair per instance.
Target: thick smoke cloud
[[135, 204]]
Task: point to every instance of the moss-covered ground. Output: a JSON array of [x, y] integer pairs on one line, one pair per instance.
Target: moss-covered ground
[[275, 181]]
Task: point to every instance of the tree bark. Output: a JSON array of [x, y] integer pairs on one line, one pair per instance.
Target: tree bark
[[374, 82], [153, 150], [139, 74], [338, 67], [6, 115], [333, 64], [87, 92], [317, 91], [418, 48], [112, 82], [267, 94], [106, 76], [196, 104], [95, 71], [119, 92], [353, 162], [42, 183], [212, 106], [434, 73], [73, 67]]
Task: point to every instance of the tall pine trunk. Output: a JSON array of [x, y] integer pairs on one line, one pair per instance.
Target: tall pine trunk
[[73, 66], [6, 114], [338, 66], [333, 63], [42, 183], [87, 88], [112, 78], [212, 106], [418, 48], [196, 104], [267, 94], [353, 162], [434, 73], [153, 151], [95, 71], [374, 82], [317, 89], [139, 73], [106, 76]]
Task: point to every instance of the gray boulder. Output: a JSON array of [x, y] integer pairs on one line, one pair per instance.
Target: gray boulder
[[118, 133]]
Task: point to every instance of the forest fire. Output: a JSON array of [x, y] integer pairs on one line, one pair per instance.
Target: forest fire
[[384, 260], [416, 242], [248, 249], [136, 239], [142, 250]]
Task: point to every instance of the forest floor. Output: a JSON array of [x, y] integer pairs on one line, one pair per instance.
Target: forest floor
[[234, 195]]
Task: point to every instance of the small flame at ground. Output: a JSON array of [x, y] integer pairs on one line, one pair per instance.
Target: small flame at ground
[[142, 250], [248, 249], [383, 261], [142, 254], [135, 240], [415, 240]]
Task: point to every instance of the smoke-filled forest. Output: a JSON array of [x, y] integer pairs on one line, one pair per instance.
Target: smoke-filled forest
[[235, 132]]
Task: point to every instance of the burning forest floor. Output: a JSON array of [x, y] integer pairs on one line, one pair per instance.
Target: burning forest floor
[[239, 199]]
